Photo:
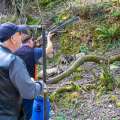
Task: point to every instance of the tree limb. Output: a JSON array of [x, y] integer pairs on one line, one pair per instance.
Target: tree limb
[[80, 61], [114, 58], [77, 63]]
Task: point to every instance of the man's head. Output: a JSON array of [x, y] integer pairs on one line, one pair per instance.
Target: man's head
[[11, 34], [28, 40]]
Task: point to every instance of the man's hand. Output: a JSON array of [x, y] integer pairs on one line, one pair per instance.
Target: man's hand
[[49, 47], [43, 87], [49, 36]]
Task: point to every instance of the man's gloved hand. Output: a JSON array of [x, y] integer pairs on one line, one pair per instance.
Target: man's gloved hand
[[43, 86], [49, 46], [49, 36]]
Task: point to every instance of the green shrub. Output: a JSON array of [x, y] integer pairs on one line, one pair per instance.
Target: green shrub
[[116, 14], [108, 34], [32, 21], [114, 44], [106, 78], [84, 49]]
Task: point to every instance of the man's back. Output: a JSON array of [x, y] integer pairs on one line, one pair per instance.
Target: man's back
[[27, 55], [9, 95]]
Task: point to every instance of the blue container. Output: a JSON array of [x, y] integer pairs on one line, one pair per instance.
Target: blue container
[[38, 108]]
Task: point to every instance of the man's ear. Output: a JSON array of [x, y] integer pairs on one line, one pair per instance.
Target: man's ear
[[12, 40]]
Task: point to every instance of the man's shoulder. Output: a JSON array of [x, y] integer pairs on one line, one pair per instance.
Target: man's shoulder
[[17, 63], [18, 59], [24, 49], [6, 57]]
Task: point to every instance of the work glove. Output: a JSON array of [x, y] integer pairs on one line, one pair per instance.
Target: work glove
[[43, 87], [49, 35]]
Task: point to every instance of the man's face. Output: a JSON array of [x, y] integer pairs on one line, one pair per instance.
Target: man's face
[[31, 43], [17, 40]]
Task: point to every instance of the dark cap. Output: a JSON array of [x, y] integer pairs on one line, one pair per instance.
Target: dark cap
[[9, 29]]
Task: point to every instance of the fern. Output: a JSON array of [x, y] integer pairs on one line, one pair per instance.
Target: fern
[[115, 13], [108, 33], [106, 78]]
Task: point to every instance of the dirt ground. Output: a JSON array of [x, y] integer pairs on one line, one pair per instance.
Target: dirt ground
[[87, 106]]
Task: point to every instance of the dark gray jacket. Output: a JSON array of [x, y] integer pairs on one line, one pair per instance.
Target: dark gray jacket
[[14, 82]]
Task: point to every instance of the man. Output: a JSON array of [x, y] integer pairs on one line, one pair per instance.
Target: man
[[31, 55], [15, 81]]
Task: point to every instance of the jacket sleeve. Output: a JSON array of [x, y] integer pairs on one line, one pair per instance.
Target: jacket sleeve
[[20, 78], [38, 52]]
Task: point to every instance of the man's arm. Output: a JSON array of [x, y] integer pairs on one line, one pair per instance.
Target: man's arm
[[37, 54], [49, 47], [39, 51], [21, 80]]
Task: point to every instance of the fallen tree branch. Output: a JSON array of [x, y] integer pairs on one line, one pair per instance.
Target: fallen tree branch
[[114, 58], [80, 61], [77, 63], [66, 88]]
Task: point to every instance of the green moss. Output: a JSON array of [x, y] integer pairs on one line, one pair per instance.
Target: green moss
[[66, 90]]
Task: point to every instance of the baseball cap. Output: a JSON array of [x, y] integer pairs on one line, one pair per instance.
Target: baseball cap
[[9, 29]]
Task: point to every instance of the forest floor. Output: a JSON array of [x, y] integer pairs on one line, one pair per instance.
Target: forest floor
[[86, 105]]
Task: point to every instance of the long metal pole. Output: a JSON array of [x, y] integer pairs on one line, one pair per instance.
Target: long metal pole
[[44, 71]]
